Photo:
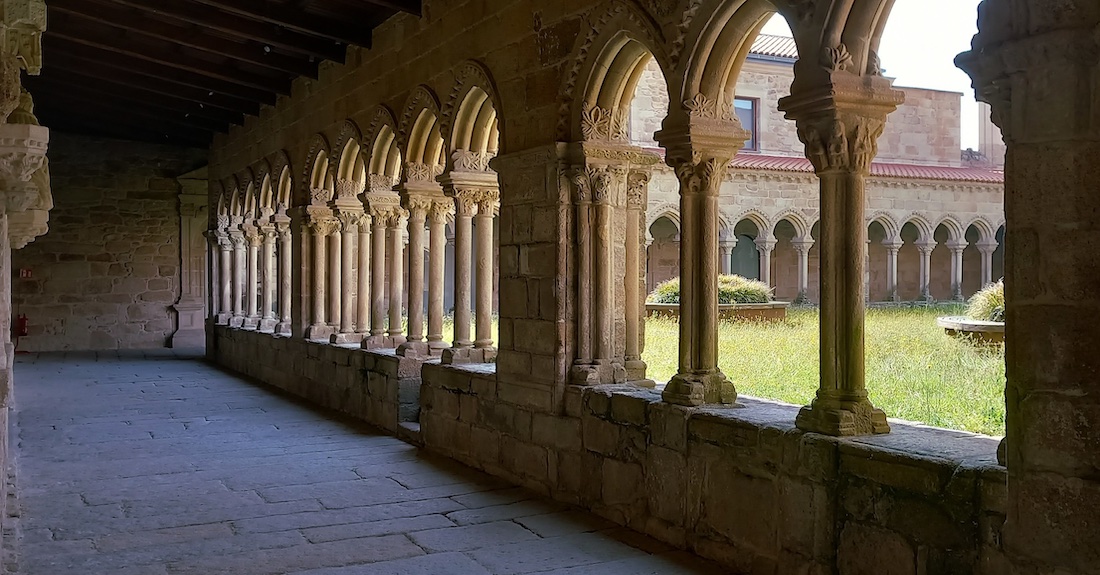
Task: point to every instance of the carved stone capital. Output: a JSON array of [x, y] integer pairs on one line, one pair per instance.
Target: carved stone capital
[[700, 175], [488, 201], [418, 207], [466, 202], [348, 220], [637, 189], [323, 225], [238, 240], [442, 210], [595, 183]]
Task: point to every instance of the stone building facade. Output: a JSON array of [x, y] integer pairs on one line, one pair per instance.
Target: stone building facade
[[935, 223]]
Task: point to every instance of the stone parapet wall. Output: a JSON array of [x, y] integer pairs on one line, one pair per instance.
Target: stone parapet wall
[[106, 274], [742, 486]]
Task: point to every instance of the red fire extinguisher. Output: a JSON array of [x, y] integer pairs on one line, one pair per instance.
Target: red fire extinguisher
[[21, 325]]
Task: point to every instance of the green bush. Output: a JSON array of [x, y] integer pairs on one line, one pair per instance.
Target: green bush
[[732, 289], [988, 304]]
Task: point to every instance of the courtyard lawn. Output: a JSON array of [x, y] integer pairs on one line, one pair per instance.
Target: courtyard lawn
[[914, 370]]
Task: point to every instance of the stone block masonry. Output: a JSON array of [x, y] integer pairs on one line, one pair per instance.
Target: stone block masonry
[[108, 270]]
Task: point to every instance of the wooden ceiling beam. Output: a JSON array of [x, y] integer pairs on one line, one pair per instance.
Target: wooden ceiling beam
[[125, 61], [114, 110], [179, 107], [189, 36], [241, 27], [296, 20], [171, 58], [94, 72]]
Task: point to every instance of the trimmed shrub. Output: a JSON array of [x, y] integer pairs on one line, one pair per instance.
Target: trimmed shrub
[[732, 289], [988, 304]]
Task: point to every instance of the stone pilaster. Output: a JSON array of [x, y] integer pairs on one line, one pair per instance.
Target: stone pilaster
[[839, 120], [190, 308], [1036, 64]]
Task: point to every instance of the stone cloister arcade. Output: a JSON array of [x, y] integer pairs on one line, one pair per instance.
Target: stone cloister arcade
[[507, 122], [908, 259]]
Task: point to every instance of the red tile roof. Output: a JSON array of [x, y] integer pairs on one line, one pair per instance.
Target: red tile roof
[[879, 169], [774, 46]]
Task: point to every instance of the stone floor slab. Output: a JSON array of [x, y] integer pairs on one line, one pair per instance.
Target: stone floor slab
[[144, 463]]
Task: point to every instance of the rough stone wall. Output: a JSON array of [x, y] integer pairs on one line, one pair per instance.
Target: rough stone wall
[[105, 274]]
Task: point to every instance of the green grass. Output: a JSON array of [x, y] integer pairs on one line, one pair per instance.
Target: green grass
[[914, 370]]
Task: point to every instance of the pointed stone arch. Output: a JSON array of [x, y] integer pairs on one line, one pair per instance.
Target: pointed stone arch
[[261, 178], [607, 62], [382, 149], [419, 136], [316, 180], [346, 160], [283, 180]]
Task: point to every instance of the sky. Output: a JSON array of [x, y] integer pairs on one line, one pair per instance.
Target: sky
[[913, 61]]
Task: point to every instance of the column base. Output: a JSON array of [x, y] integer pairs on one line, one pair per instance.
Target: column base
[[236, 321], [842, 418], [251, 323], [692, 389], [222, 319], [414, 349], [267, 325], [382, 342], [437, 347], [346, 338], [319, 331], [282, 328], [457, 356], [635, 374], [597, 374]]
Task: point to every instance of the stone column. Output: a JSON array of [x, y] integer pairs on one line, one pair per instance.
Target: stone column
[[987, 251], [395, 229], [320, 227], [465, 207], [725, 253], [285, 278], [377, 338], [700, 144], [957, 249], [926, 247], [252, 308], [488, 203], [335, 275], [190, 308], [892, 269], [415, 345], [840, 116], [440, 212], [363, 289], [802, 246], [765, 245], [1036, 64], [349, 231], [268, 319], [236, 236], [637, 192], [225, 276]]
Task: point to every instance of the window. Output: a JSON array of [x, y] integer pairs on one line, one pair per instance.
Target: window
[[746, 112]]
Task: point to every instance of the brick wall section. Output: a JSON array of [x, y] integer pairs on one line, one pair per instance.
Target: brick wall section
[[106, 273]]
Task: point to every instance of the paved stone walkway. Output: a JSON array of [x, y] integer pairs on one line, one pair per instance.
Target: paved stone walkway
[[150, 464]]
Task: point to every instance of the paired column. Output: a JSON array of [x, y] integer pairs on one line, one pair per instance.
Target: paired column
[[320, 227], [349, 231], [957, 249], [802, 247], [441, 211], [765, 244], [892, 269], [285, 277], [268, 279], [987, 250], [840, 122], [225, 277], [700, 171], [335, 275], [363, 279], [377, 339], [926, 247], [395, 230], [236, 236], [418, 214], [725, 251], [465, 208], [487, 206], [637, 193]]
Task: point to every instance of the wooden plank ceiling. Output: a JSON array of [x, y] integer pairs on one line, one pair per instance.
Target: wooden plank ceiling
[[176, 71]]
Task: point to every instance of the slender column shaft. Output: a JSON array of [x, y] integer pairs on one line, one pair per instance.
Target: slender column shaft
[[689, 292], [803, 249], [397, 274], [987, 264], [765, 245], [378, 275], [584, 281], [842, 306], [268, 275], [363, 292], [892, 272], [437, 264], [320, 241], [464, 206], [238, 275], [252, 276], [285, 274], [485, 271], [335, 276], [347, 253], [925, 267], [957, 271], [633, 280], [226, 279], [417, 216], [706, 284], [726, 257]]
